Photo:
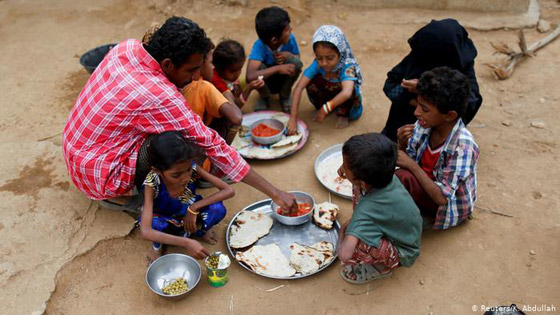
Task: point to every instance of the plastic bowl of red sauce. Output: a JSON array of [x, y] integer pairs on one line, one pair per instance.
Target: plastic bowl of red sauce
[[306, 204], [267, 131]]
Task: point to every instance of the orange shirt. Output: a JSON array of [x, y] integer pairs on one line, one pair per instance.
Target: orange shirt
[[204, 99]]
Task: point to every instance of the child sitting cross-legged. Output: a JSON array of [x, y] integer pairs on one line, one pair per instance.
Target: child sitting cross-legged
[[385, 228], [438, 154], [172, 210]]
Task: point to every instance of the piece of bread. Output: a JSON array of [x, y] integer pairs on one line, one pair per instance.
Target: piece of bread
[[325, 214], [308, 259], [249, 227], [267, 260]]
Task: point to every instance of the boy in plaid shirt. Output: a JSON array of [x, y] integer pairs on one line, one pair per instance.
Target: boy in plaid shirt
[[437, 154]]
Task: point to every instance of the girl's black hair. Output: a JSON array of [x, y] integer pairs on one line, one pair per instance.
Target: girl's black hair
[[178, 39], [326, 44], [169, 148], [372, 158], [227, 52]]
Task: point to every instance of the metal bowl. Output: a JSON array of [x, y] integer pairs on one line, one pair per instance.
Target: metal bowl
[[91, 59], [169, 267], [301, 197], [272, 123]]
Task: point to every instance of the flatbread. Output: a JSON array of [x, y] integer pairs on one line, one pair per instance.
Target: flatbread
[[325, 214], [239, 142], [308, 259], [267, 260], [287, 140], [249, 227], [257, 152]]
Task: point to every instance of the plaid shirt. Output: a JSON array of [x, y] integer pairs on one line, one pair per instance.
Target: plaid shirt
[[127, 98], [455, 172]]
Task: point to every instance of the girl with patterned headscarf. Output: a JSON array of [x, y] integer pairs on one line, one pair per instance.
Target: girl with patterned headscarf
[[333, 81]]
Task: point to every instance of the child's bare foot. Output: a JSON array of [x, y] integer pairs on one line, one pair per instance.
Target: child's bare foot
[[314, 115], [341, 122], [210, 237], [153, 254]]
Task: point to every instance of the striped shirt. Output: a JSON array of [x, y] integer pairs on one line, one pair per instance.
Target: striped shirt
[[127, 98], [455, 171]]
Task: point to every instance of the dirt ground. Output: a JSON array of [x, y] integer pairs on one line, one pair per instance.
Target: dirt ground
[[62, 254]]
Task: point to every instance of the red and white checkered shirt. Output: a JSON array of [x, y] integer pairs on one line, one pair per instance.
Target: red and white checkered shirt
[[127, 98]]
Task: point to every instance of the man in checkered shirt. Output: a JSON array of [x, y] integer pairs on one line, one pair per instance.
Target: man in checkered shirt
[[135, 93]]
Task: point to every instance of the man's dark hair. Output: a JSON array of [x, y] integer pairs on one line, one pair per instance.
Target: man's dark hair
[[271, 22], [169, 148], [177, 40], [372, 158], [228, 52], [447, 88]]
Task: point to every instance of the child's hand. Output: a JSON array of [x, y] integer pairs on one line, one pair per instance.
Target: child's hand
[[405, 161], [341, 172], [236, 90], [288, 69], [196, 250], [292, 126], [255, 84], [281, 56], [403, 134], [410, 85], [189, 222]]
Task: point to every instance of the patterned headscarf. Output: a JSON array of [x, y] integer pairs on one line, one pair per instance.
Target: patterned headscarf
[[335, 36]]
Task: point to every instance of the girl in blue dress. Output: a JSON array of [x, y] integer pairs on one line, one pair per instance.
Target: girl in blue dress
[[172, 211], [333, 81]]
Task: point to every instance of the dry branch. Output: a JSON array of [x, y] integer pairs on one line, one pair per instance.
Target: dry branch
[[502, 72]]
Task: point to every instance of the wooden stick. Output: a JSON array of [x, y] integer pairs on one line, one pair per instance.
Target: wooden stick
[[47, 138], [502, 72], [493, 212]]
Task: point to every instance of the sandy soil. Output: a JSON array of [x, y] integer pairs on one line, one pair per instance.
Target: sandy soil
[[63, 254]]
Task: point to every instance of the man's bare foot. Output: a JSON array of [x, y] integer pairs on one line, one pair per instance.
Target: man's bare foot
[[341, 122], [153, 254], [210, 237]]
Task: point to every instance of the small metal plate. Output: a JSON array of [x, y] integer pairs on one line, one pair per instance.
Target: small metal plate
[[249, 119], [284, 235], [331, 152]]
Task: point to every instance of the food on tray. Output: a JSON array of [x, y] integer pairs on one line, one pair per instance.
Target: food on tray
[[308, 259], [325, 214], [263, 130], [249, 227], [328, 173], [177, 286], [287, 140], [303, 209], [260, 152], [266, 260]]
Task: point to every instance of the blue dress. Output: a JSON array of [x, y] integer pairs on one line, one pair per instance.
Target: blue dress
[[169, 211]]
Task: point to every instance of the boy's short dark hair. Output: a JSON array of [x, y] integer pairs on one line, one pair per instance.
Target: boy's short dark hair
[[178, 39], [447, 88], [271, 22], [372, 158], [228, 52]]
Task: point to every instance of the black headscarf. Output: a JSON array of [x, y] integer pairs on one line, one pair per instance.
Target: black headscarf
[[440, 43]]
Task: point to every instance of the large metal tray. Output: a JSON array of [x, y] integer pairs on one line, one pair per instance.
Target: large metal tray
[[335, 150], [250, 118], [284, 235]]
